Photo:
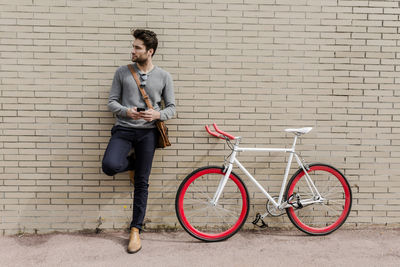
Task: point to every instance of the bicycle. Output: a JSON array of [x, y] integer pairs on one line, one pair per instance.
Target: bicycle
[[212, 203]]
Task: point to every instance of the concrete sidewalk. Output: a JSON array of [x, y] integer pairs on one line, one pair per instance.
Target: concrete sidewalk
[[372, 247]]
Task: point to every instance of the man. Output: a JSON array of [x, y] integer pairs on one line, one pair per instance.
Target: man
[[135, 123]]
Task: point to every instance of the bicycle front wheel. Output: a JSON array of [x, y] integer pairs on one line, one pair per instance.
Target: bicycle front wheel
[[199, 216], [324, 213]]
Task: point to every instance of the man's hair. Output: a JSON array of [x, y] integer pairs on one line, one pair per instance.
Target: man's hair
[[149, 38]]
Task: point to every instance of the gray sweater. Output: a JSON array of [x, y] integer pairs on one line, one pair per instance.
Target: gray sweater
[[125, 94]]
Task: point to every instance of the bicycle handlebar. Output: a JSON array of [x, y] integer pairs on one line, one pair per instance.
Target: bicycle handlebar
[[221, 135]]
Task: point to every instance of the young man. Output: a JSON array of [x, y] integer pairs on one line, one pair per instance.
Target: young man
[[135, 123]]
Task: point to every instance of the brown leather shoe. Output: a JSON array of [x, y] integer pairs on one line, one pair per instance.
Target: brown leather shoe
[[132, 176], [134, 241]]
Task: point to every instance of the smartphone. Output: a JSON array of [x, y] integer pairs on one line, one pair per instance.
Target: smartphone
[[140, 109]]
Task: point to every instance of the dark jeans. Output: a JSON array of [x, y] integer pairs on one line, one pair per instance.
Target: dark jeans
[[115, 160]]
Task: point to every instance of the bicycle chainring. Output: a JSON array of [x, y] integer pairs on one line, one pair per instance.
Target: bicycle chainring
[[272, 210]]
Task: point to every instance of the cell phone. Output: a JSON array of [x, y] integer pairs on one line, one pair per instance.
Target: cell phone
[[140, 109]]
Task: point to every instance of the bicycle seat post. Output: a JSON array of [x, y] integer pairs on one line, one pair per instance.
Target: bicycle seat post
[[294, 143]]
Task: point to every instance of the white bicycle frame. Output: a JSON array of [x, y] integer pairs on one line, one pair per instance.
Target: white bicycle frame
[[280, 204]]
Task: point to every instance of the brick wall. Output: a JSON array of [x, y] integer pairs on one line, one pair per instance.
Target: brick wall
[[255, 67]]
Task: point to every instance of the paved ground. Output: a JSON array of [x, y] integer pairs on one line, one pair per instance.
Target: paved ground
[[372, 247]]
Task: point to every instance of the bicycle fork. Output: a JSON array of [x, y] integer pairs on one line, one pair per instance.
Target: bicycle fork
[[224, 180]]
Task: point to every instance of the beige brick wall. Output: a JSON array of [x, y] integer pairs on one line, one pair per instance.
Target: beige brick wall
[[255, 67]]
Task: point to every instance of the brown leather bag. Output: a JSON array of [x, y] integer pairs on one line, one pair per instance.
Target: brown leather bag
[[163, 140]]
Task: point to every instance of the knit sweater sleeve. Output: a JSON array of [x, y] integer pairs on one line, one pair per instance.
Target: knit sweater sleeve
[[169, 99], [114, 99]]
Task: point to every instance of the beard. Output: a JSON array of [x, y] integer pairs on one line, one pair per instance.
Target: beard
[[139, 60]]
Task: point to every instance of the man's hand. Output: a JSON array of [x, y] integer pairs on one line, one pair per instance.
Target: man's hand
[[132, 113], [147, 115], [150, 115]]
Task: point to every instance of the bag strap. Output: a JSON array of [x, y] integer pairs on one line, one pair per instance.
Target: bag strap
[[142, 91]]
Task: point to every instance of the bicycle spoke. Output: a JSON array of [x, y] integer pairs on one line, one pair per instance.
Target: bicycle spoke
[[224, 221], [340, 203], [233, 213], [196, 212], [332, 209], [331, 193], [202, 193], [187, 202]]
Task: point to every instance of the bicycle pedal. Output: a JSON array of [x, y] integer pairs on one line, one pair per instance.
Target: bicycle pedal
[[257, 219]]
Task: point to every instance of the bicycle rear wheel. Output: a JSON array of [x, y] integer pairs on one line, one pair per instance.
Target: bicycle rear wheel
[[206, 221], [327, 215]]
